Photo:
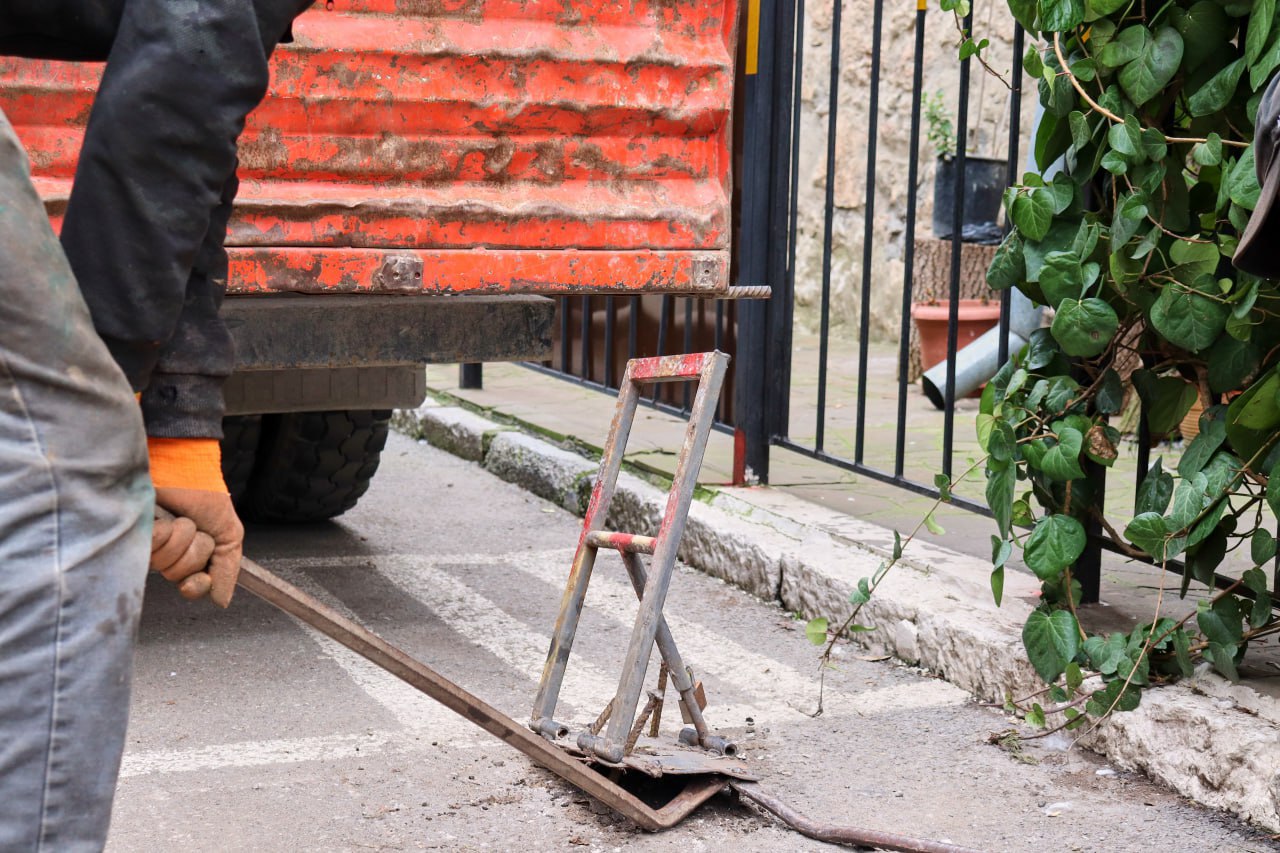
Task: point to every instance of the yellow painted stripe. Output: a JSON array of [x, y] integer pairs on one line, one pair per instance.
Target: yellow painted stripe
[[922, 5], [753, 36]]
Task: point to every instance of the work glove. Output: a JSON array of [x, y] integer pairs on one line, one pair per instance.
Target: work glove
[[199, 548]]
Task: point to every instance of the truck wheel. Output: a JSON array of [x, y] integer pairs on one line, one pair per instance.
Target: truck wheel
[[312, 466], [240, 438]]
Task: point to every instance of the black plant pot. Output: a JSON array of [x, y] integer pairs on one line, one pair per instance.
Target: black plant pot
[[985, 180]]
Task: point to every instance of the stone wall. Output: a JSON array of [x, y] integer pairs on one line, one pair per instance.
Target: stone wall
[[988, 135]]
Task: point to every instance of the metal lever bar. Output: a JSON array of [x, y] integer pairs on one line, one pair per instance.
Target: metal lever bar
[[279, 593]]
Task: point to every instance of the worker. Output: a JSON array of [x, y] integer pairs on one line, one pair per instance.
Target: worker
[[117, 335]]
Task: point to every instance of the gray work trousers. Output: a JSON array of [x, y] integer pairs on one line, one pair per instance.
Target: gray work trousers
[[75, 535]]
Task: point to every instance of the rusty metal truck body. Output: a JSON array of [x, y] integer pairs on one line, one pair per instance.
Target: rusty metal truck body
[[421, 175]]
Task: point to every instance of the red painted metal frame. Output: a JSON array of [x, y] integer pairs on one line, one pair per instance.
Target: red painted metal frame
[[510, 146]]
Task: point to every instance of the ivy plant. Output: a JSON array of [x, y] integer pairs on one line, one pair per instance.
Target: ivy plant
[[1126, 231]]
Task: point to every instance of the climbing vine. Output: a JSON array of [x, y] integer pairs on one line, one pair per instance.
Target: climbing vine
[[1145, 181]]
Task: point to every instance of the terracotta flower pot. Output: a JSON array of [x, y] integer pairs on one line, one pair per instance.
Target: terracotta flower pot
[[975, 317]]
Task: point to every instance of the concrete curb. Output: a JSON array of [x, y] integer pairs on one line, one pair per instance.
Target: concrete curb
[[1212, 741]]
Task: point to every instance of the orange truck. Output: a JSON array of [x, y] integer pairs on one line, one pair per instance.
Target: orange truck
[[422, 175]]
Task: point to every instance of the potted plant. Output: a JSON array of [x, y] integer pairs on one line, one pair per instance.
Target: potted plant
[[985, 179]]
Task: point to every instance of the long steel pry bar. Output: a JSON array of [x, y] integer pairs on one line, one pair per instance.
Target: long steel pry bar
[[271, 589]]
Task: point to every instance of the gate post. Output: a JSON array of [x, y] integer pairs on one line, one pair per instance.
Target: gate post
[[763, 141]]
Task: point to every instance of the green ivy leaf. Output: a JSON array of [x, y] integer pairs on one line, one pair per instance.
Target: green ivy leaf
[[1148, 532], [1260, 71], [1204, 558], [997, 584], [1231, 362], [1242, 185], [1001, 484], [1189, 499], [1205, 28], [816, 630], [1127, 138], [1033, 213], [1213, 432], [862, 594], [1259, 29], [1125, 47], [1217, 92], [933, 526], [1253, 416], [1153, 68], [1085, 327], [1221, 621], [1155, 492], [1110, 398], [1116, 696], [1105, 653], [1032, 64], [1262, 547], [1061, 277], [1209, 152], [1060, 16], [1256, 581], [1055, 543], [1062, 461], [1051, 641], [1182, 652], [1167, 399], [1190, 316], [1008, 267]]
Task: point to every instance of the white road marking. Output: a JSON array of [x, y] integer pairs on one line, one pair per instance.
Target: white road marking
[[772, 690], [766, 683], [586, 688], [414, 710], [257, 753]]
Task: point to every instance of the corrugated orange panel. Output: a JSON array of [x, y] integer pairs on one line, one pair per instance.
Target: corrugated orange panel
[[523, 146]]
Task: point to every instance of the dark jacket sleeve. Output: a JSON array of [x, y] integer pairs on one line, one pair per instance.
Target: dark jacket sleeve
[[147, 216]]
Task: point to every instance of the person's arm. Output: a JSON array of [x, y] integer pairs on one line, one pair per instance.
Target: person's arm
[[144, 232]]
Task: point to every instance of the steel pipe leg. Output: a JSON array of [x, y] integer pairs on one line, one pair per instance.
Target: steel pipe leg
[[680, 678]]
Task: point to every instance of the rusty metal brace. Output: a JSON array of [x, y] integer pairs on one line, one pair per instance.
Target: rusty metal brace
[[650, 627]]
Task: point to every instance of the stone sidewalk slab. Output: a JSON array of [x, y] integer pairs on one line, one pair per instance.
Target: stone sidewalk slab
[[1215, 742]]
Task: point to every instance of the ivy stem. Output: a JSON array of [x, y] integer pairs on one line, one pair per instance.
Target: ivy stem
[[1097, 107]]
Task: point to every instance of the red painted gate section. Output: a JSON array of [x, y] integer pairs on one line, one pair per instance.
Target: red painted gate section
[[463, 146]]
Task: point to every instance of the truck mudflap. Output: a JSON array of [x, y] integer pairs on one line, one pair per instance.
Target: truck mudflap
[[511, 146]]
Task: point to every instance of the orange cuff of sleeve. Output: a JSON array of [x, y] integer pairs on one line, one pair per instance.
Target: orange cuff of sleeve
[[186, 463]]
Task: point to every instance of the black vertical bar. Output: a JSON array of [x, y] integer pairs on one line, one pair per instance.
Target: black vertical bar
[[1088, 568], [868, 234], [633, 328], [686, 387], [664, 326], [719, 345], [957, 221], [765, 98], [609, 324], [828, 218], [566, 351], [784, 198], [586, 337], [471, 375], [909, 249], [1015, 170]]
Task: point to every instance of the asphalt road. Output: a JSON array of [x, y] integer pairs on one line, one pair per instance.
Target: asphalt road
[[252, 732]]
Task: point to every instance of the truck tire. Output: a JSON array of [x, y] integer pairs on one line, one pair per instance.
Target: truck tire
[[312, 466], [240, 438]]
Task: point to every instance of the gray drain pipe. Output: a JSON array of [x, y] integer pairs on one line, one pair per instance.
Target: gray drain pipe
[[980, 360]]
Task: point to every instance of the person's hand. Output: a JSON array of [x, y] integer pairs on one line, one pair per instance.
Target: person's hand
[[199, 548]]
